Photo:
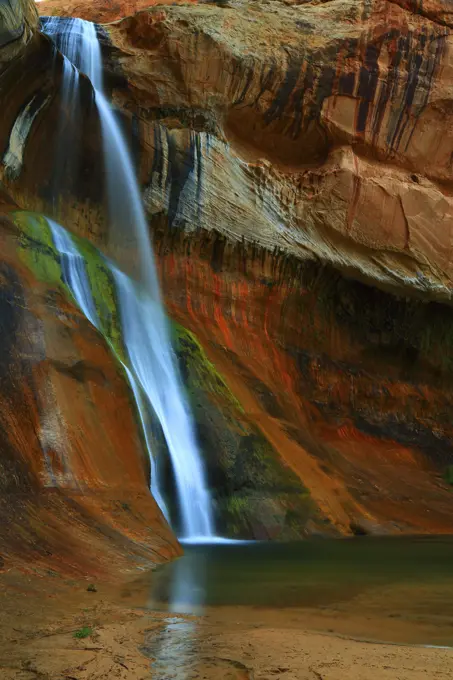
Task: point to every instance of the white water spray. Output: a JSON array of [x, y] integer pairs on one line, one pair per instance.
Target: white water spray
[[152, 369]]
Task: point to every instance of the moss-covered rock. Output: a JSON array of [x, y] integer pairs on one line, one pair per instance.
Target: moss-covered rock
[[256, 494], [103, 290], [36, 247], [37, 251]]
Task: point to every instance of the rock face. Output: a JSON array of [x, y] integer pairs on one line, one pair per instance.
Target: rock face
[[335, 109], [101, 11], [349, 384], [73, 472], [18, 20], [296, 167], [302, 111]]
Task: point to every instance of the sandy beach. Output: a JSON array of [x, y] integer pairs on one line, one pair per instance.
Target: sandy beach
[[40, 617]]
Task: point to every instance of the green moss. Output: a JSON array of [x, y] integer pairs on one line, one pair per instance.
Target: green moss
[[83, 633], [103, 290], [299, 509], [448, 475], [284, 515], [198, 371], [235, 510], [36, 248], [257, 465], [38, 253], [247, 474]]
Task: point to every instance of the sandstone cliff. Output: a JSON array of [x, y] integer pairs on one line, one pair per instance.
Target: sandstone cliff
[[18, 20], [74, 473], [302, 110], [295, 159]]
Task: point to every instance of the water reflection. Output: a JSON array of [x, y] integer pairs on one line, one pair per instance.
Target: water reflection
[[180, 587], [306, 574], [393, 590], [173, 650]]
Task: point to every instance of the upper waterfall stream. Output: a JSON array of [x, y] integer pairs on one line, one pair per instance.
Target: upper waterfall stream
[[152, 370]]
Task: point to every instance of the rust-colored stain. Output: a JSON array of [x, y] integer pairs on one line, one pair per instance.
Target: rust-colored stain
[[361, 412], [74, 474], [336, 421]]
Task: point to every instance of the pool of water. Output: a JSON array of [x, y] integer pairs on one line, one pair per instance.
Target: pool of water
[[394, 589], [310, 573]]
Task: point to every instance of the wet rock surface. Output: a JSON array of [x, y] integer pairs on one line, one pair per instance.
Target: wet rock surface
[[344, 382], [18, 19], [73, 471], [313, 128]]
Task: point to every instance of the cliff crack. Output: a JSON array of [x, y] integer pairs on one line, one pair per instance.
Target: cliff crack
[[407, 234]]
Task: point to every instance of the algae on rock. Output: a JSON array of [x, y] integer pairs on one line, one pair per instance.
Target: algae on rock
[[256, 494], [37, 251]]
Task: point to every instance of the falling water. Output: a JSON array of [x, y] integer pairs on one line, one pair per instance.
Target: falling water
[[77, 40], [75, 276], [152, 367], [73, 272]]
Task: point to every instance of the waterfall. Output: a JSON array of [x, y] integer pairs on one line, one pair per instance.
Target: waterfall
[[73, 272], [77, 41], [152, 369]]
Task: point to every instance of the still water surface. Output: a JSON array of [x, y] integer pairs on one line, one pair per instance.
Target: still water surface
[[394, 590], [367, 580]]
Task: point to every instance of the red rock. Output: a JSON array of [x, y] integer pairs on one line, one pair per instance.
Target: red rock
[[341, 379], [295, 160], [73, 471]]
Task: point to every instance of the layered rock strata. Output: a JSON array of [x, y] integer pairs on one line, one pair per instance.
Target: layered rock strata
[[321, 129], [350, 385]]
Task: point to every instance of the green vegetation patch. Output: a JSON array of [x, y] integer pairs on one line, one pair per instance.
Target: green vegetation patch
[[249, 477], [280, 515], [103, 290], [83, 633], [36, 247], [252, 486], [37, 251], [448, 475], [198, 371]]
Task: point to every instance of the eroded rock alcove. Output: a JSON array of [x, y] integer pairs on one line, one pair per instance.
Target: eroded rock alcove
[[295, 162]]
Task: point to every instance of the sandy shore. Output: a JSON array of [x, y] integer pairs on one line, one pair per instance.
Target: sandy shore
[[40, 616]]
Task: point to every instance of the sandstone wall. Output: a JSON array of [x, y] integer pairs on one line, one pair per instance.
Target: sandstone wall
[[323, 129], [351, 386], [295, 160], [74, 472], [18, 20]]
